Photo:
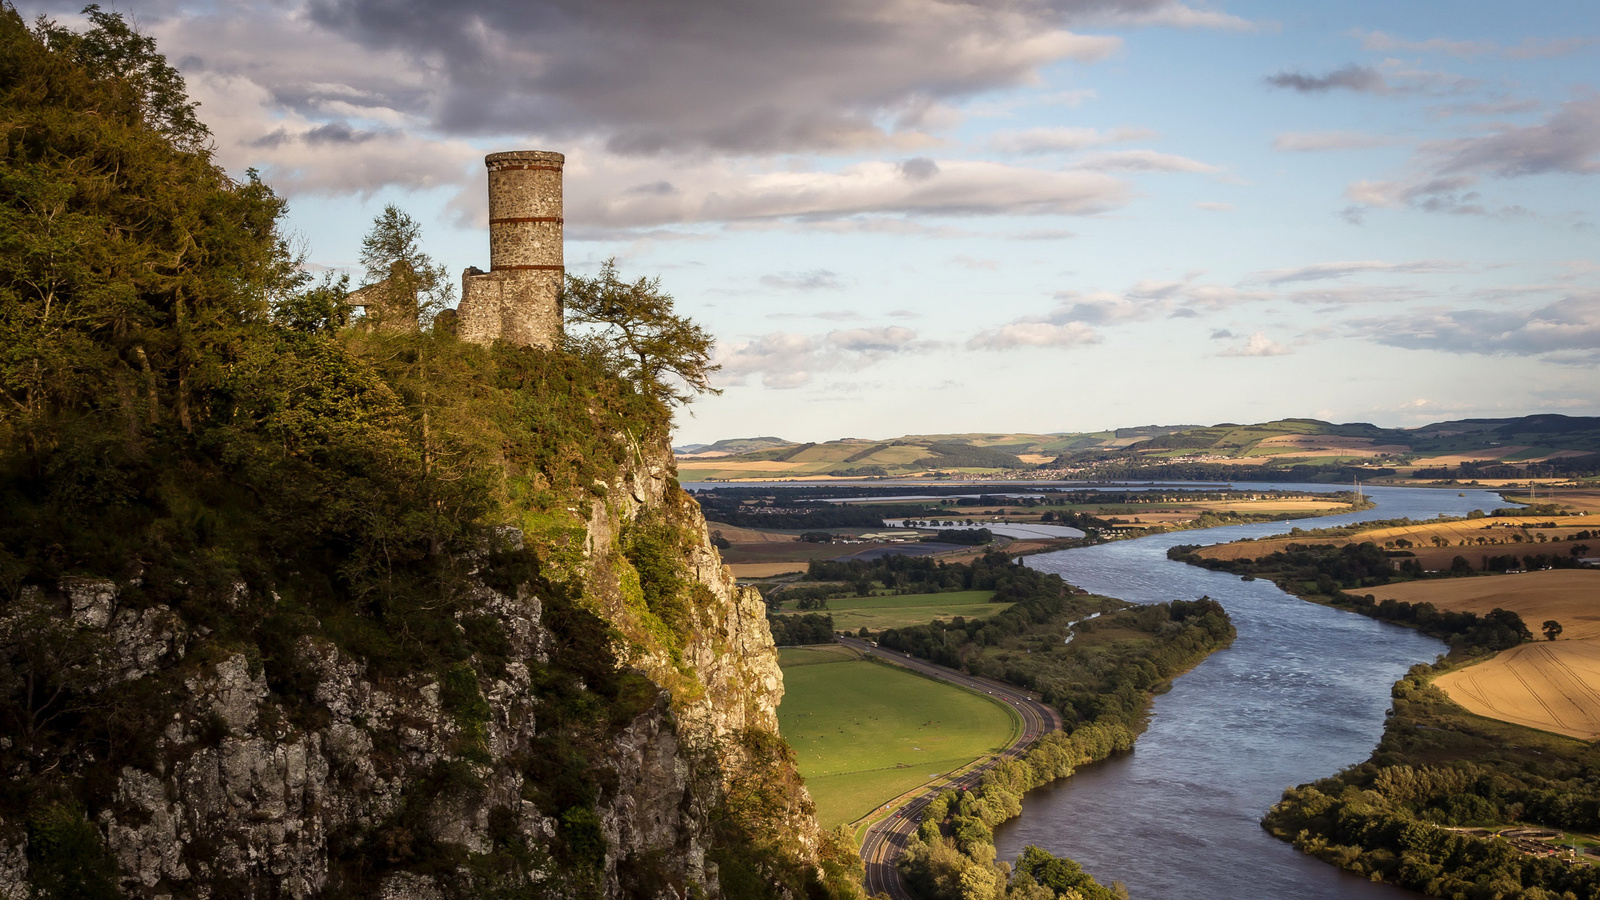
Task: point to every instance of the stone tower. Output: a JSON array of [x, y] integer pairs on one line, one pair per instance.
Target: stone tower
[[519, 299]]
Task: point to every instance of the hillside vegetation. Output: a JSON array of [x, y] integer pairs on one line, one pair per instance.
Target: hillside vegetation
[[295, 608]]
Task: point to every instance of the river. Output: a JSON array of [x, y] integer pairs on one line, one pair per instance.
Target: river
[[1299, 695]]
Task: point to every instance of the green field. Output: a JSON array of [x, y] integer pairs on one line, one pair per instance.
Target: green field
[[878, 613], [864, 732]]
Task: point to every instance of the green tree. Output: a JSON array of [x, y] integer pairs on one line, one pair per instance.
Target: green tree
[[633, 327], [1552, 629], [127, 259], [111, 50], [404, 286]]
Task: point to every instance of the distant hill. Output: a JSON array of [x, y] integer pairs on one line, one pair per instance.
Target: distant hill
[[1299, 448], [732, 445]]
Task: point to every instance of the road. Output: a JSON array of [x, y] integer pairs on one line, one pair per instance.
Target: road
[[885, 841]]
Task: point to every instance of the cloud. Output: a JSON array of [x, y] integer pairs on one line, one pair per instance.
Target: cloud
[[1214, 206], [814, 280], [1377, 40], [1529, 48], [1314, 141], [1449, 173], [1533, 48], [1392, 78], [888, 339], [672, 75], [1143, 161], [298, 155], [1221, 334], [1567, 330], [1058, 140], [786, 360], [1454, 195], [1034, 334], [1178, 15], [1500, 106], [1362, 79], [1567, 141], [1258, 345], [725, 191], [1330, 270], [1352, 296]]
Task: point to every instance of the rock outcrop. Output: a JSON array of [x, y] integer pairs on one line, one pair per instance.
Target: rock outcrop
[[346, 782]]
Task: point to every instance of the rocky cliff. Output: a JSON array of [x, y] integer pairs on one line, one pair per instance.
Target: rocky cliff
[[502, 773]]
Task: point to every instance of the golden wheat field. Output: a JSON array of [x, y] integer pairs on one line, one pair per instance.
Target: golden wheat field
[[1551, 685], [1570, 596]]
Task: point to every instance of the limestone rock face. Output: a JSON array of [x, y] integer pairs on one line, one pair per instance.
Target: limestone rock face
[[252, 791]]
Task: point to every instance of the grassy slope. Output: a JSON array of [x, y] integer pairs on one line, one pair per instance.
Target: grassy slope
[[878, 613], [864, 732]]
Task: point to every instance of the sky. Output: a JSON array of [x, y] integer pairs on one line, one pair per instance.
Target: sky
[[950, 216]]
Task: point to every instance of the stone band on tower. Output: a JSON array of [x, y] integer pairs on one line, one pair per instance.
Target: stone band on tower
[[519, 299]]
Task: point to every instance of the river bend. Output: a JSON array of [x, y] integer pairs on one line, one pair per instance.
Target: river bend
[[1300, 694]]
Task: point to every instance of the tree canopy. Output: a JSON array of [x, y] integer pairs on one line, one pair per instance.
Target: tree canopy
[[632, 325]]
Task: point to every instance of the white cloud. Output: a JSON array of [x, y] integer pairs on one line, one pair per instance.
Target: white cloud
[[1331, 270], [1213, 206], [606, 190], [1314, 141], [1143, 161], [1258, 345], [1058, 140], [789, 360], [1034, 334], [813, 280]]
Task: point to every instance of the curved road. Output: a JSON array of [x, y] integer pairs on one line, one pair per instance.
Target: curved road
[[885, 841]]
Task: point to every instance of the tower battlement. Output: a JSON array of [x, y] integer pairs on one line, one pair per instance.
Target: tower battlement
[[519, 299]]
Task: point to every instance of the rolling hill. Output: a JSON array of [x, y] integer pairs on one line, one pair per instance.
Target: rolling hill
[[1296, 448]]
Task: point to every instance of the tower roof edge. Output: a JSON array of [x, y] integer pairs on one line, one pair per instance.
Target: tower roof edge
[[548, 157]]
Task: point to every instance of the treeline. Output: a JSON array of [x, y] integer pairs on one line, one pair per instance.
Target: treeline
[[1327, 571], [1572, 466], [796, 631], [1436, 768], [952, 855], [921, 575], [973, 536], [1028, 645]]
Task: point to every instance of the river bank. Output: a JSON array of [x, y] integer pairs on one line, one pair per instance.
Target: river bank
[[1300, 693]]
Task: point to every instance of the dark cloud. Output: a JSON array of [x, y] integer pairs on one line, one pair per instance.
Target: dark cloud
[[1391, 78], [1362, 79], [679, 75], [1221, 334]]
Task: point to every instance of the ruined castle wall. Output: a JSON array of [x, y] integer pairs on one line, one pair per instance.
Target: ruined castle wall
[[518, 299]]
